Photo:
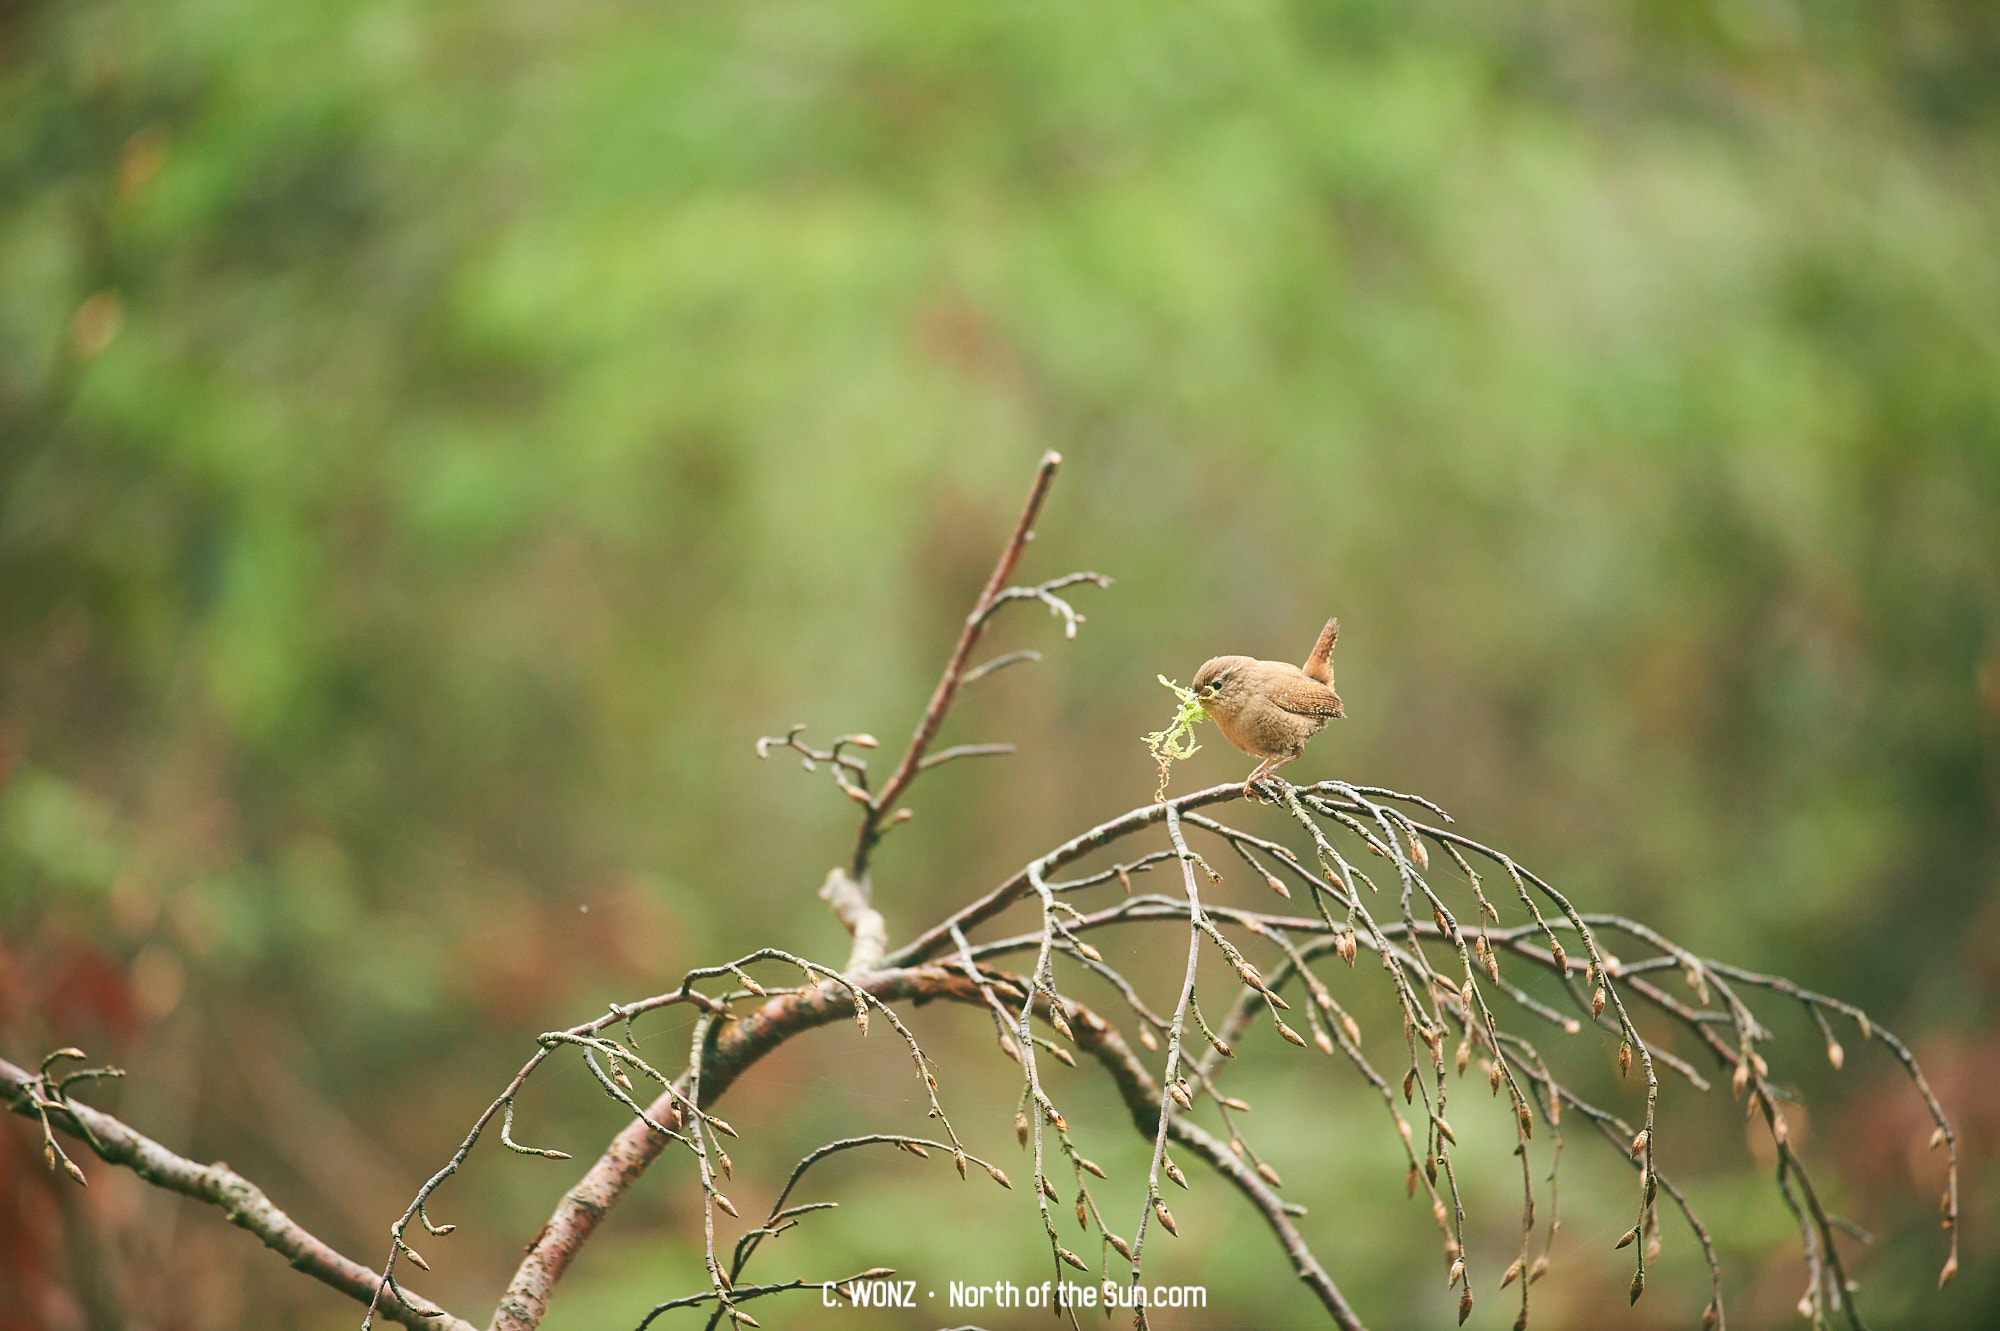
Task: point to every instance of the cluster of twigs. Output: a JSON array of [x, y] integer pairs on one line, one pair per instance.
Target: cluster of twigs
[[1441, 948]]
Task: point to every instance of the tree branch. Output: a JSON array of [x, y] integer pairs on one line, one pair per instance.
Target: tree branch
[[954, 670], [241, 1201], [740, 1043]]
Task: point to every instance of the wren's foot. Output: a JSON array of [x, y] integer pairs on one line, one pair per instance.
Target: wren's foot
[[1266, 769], [1263, 769]]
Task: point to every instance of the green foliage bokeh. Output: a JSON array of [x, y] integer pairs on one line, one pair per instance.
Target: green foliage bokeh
[[436, 439]]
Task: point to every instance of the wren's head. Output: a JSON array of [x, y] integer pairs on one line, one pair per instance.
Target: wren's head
[[1220, 683]]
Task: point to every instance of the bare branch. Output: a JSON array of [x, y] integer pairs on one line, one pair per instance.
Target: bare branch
[[241, 1201]]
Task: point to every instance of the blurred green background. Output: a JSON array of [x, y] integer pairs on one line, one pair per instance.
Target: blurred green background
[[437, 438]]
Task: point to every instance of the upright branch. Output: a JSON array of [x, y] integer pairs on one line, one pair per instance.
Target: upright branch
[[996, 593]]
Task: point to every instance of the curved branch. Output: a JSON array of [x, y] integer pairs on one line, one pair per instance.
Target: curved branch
[[739, 1043]]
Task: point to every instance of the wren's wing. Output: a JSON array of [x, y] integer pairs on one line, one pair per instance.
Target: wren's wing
[[1306, 697]]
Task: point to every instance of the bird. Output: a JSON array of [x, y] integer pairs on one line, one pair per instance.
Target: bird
[[1269, 709]]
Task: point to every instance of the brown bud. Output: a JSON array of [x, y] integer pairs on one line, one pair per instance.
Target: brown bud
[[1291, 1036], [1062, 1124], [915, 1148], [958, 1158], [1464, 1055], [1431, 1168], [1710, 1316], [1464, 1306], [1521, 1322], [1639, 1144], [1555, 1110], [1741, 1077], [1597, 1002], [1062, 1055], [725, 1203], [1493, 1073], [861, 1019], [1444, 1131], [1950, 1270], [1526, 1119], [998, 1177], [1059, 1021], [1021, 1129], [1089, 1166], [1638, 1285], [1937, 1138], [1410, 1086], [1625, 1239], [1457, 1270], [1173, 1171], [1180, 1097], [1089, 951], [1072, 1259], [1269, 1175], [1835, 1054], [1493, 967], [1082, 1212], [1147, 1038], [1119, 1246], [1410, 1182], [1273, 882], [1538, 1270], [1403, 1127], [1562, 959], [414, 1255], [1231, 1102], [1322, 1039], [1222, 1046], [1166, 1217], [1440, 1215], [1511, 1274], [1345, 946], [1625, 1058], [1351, 1026]]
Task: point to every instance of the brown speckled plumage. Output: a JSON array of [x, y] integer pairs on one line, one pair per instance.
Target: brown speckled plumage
[[1269, 709]]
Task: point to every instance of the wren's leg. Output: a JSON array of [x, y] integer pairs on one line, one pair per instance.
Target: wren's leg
[[1270, 766], [1254, 778]]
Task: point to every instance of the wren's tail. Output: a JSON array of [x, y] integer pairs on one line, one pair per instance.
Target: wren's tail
[[1319, 665]]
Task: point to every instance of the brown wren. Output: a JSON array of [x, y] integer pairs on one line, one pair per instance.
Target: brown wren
[[1269, 709]]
